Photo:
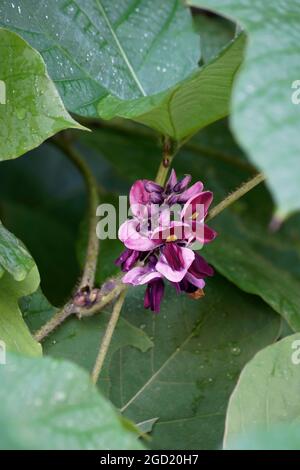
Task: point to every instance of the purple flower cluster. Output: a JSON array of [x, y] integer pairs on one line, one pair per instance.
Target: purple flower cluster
[[159, 238]]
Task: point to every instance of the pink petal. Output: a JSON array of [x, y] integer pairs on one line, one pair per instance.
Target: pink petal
[[205, 234], [192, 191], [186, 255], [134, 239], [200, 283], [197, 206], [140, 275], [138, 198], [177, 229]]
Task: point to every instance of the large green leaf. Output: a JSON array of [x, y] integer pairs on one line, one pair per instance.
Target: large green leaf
[[199, 349], [264, 118], [266, 396], [14, 258], [188, 106], [215, 33], [280, 437], [19, 277], [31, 110], [49, 404], [94, 47]]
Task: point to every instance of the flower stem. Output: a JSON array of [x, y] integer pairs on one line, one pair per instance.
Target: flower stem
[[53, 323], [91, 259], [105, 343], [169, 152], [231, 198]]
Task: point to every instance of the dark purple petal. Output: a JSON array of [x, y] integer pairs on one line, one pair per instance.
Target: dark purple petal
[[131, 260], [186, 286], [127, 259], [173, 199], [197, 206], [172, 181], [174, 262], [154, 295], [152, 187], [156, 198], [200, 268], [182, 184], [172, 253]]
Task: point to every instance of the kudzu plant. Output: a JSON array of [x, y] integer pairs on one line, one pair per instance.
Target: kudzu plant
[[177, 323]]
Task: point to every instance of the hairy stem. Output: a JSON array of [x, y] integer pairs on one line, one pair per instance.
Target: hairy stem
[[54, 322], [90, 265], [105, 343], [88, 275], [240, 192]]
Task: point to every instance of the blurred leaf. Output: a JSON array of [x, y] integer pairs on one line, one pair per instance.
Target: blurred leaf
[[131, 48], [48, 404], [31, 110], [19, 277], [264, 118], [188, 106], [215, 33], [266, 396], [14, 258], [280, 437], [199, 349]]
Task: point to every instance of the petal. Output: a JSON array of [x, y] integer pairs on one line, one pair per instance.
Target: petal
[[200, 267], [176, 230], [138, 198], [172, 181], [182, 184], [200, 283], [140, 275], [154, 295], [152, 187], [134, 239], [197, 206], [174, 262], [127, 259], [204, 234], [191, 192]]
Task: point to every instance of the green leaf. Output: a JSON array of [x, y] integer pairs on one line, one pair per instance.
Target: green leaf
[[264, 118], [215, 33], [49, 404], [79, 341], [31, 110], [190, 105], [14, 258], [96, 47], [266, 395], [19, 277], [280, 437], [185, 380]]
